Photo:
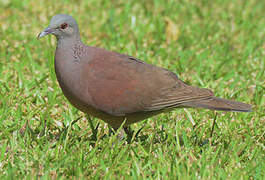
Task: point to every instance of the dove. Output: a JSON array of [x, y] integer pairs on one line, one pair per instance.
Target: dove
[[119, 88]]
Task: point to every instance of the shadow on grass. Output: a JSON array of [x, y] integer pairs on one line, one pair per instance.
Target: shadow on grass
[[125, 135]]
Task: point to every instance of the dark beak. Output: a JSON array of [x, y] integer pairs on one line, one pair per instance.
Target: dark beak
[[45, 32]]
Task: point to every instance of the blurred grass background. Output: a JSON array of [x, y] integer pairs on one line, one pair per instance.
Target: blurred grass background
[[212, 44]]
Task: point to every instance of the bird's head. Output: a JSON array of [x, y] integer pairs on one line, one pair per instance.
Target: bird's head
[[62, 26]]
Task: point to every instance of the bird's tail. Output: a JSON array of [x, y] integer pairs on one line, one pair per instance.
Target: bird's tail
[[220, 104]]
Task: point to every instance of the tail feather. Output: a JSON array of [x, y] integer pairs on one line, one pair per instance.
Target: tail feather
[[220, 104]]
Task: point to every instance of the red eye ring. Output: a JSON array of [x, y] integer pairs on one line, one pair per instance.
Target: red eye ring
[[64, 26]]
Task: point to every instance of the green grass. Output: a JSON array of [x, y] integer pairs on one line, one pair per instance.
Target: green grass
[[220, 45]]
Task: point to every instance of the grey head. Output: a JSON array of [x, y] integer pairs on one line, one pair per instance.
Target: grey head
[[62, 26]]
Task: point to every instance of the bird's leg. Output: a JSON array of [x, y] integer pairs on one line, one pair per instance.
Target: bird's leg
[[125, 129], [129, 132], [94, 130], [119, 131]]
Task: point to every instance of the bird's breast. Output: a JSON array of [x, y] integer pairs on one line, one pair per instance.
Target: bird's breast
[[69, 75]]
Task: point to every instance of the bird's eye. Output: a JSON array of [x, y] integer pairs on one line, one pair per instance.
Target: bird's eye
[[64, 26]]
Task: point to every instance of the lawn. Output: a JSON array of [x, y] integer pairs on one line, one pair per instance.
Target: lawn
[[218, 45]]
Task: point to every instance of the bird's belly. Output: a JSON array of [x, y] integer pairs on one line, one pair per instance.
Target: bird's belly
[[78, 97], [115, 121]]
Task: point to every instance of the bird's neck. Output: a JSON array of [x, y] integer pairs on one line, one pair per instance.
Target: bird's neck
[[70, 47], [67, 62], [68, 41]]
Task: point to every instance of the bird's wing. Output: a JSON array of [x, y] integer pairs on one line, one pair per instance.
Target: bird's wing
[[122, 84], [177, 96]]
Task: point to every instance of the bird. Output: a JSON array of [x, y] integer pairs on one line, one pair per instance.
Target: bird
[[118, 88]]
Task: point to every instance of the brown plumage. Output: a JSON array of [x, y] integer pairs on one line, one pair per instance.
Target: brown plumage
[[115, 87]]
